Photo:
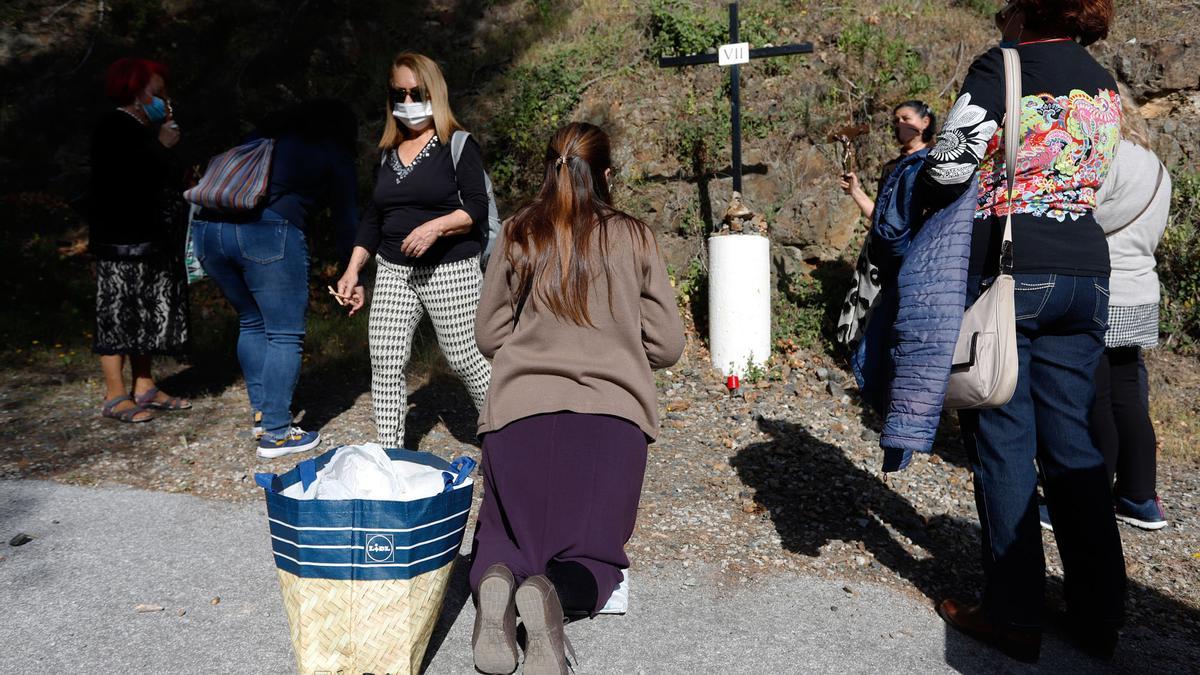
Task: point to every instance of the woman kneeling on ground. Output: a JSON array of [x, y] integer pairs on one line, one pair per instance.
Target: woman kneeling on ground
[[576, 311]]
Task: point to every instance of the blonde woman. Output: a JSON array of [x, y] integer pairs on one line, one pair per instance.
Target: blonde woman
[[424, 223]]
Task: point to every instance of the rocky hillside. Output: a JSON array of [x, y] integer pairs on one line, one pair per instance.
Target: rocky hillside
[[518, 68]]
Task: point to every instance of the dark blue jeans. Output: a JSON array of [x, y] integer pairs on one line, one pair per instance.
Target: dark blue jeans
[[262, 269], [1060, 336]]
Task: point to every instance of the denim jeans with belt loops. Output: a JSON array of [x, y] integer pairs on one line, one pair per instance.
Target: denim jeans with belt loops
[[1061, 322], [262, 269]]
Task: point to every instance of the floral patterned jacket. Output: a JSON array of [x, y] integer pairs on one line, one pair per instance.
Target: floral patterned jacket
[[1070, 126]]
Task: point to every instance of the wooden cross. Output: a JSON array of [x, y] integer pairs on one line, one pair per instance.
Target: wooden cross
[[732, 55]]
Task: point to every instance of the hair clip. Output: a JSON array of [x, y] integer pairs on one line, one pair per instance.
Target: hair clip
[[562, 159]]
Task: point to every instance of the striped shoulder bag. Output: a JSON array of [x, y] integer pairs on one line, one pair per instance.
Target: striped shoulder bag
[[235, 180]]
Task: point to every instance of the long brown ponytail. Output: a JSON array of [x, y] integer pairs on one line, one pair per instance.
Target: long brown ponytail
[[548, 242]]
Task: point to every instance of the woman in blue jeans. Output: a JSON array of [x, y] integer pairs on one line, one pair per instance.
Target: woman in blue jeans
[[1070, 126], [260, 259]]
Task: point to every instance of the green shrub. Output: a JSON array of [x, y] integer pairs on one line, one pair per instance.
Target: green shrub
[[804, 312], [985, 8], [541, 96], [679, 28], [691, 292], [889, 60], [692, 284], [698, 134], [1179, 265]]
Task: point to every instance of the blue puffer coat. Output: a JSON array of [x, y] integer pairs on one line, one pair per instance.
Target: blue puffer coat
[[895, 220], [932, 292]]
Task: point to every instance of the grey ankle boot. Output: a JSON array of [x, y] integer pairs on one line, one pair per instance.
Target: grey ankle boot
[[546, 644], [494, 640]]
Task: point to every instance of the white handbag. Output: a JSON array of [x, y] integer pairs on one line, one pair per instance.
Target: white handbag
[[984, 371]]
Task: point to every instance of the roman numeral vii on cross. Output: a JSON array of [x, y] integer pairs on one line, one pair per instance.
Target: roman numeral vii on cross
[[732, 55]]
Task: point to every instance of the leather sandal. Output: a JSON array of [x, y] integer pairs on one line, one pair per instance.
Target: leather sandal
[[546, 645], [146, 400], [494, 639], [127, 415]]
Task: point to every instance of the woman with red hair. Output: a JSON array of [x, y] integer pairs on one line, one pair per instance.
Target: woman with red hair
[[1070, 118], [134, 217]]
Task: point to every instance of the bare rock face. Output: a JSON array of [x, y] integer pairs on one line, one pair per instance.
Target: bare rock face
[[788, 264], [1154, 69], [1163, 76], [678, 252], [820, 222], [1174, 136]]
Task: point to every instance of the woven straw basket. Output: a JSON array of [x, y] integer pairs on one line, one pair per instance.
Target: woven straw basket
[[362, 626]]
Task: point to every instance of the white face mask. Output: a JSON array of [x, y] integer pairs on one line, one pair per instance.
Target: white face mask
[[413, 115]]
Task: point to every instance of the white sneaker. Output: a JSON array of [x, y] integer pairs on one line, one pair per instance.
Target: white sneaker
[[618, 602]]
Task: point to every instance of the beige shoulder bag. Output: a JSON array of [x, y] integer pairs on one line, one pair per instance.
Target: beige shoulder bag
[[984, 370]]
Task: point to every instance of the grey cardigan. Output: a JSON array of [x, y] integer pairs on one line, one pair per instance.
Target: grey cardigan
[[544, 364], [1132, 206]]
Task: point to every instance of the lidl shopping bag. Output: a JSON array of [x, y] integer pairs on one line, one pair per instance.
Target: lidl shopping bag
[[363, 580]]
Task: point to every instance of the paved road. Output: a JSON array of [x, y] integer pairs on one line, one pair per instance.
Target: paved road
[[67, 603]]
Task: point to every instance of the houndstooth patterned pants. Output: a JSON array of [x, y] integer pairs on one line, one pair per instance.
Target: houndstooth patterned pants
[[450, 293]]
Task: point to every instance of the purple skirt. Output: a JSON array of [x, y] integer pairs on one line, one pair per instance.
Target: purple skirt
[[560, 488]]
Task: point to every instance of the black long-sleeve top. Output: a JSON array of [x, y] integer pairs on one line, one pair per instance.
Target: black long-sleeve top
[[1070, 126], [407, 197], [132, 177]]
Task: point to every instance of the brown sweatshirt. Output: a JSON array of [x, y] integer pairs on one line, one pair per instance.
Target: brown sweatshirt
[[543, 364]]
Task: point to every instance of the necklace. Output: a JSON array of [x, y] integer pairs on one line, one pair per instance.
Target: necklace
[[135, 117], [1042, 42], [400, 169]]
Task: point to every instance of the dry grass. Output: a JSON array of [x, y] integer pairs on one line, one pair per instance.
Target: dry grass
[[1175, 403], [1156, 20]]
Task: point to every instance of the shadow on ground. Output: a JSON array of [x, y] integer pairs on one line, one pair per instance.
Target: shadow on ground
[[330, 389], [445, 399], [815, 494]]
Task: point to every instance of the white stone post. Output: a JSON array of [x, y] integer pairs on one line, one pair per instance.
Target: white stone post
[[739, 301]]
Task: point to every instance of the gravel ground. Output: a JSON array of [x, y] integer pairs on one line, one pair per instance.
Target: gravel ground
[[784, 479]]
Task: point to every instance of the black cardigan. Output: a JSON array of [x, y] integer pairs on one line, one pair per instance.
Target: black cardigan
[[133, 178]]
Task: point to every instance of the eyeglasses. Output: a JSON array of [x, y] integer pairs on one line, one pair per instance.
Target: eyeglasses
[[401, 94]]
